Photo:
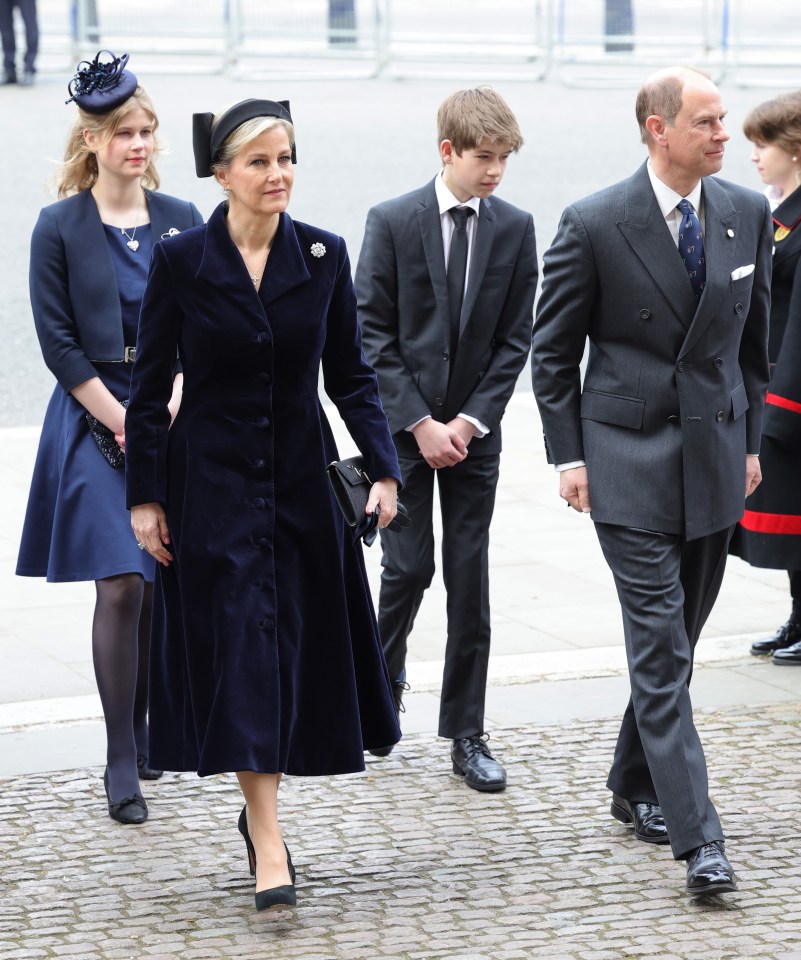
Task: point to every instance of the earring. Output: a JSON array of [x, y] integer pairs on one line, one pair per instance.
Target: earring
[[795, 159]]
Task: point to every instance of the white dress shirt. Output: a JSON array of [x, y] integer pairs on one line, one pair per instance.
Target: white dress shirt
[[447, 201]]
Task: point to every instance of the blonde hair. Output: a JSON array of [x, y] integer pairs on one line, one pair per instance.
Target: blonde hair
[[244, 134], [79, 169], [468, 117]]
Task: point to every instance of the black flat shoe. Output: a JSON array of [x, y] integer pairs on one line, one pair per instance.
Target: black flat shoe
[[787, 634], [243, 829], [649, 824], [146, 772], [708, 870], [399, 687], [130, 810], [472, 760]]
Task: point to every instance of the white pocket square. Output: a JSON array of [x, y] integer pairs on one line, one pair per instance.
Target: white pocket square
[[741, 272]]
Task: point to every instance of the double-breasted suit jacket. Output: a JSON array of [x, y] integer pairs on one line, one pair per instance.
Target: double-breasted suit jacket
[[402, 289], [769, 534], [265, 654], [673, 395]]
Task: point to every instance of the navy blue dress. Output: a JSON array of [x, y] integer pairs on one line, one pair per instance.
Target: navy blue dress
[[76, 524]]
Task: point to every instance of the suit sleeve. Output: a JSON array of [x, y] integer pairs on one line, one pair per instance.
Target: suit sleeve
[[52, 308], [753, 356], [560, 334], [512, 339], [147, 421], [351, 382], [377, 299], [783, 401]]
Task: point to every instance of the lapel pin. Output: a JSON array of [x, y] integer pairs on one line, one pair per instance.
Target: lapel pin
[[730, 232], [317, 250], [172, 232]]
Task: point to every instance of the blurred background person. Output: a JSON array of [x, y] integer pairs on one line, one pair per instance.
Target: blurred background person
[[769, 535], [89, 261], [27, 9]]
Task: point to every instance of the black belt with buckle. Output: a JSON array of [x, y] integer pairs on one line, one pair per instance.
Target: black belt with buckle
[[129, 355]]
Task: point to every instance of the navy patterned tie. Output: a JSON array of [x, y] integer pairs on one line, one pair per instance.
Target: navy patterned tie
[[457, 270], [691, 247]]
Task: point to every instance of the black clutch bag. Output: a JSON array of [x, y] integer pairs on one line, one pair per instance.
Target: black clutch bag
[[104, 438], [351, 487]]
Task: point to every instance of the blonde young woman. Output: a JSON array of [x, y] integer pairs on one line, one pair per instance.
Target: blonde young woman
[[90, 253]]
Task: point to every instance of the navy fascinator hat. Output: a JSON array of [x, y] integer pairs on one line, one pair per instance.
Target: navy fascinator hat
[[207, 144], [101, 85]]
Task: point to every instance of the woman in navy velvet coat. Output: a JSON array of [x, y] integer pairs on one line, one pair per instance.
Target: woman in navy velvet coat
[[89, 264], [265, 654]]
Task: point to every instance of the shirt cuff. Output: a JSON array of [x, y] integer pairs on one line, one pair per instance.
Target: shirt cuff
[[572, 464], [413, 425], [481, 428]]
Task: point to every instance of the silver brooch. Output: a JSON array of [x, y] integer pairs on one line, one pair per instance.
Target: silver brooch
[[317, 250], [172, 232]]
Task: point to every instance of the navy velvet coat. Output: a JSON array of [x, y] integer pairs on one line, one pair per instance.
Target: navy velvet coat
[[265, 652]]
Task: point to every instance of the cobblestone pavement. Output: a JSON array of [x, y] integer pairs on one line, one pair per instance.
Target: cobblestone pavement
[[405, 862]]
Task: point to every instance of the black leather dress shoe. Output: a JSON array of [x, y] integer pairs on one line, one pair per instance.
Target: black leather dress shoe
[[473, 761], [708, 870], [787, 634], [789, 657], [146, 772], [399, 687], [649, 824]]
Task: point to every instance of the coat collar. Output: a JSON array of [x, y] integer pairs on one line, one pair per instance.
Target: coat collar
[[223, 266], [788, 211]]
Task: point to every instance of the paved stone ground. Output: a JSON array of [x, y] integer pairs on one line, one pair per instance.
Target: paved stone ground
[[405, 862]]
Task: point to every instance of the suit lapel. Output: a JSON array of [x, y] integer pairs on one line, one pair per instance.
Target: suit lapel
[[649, 237], [721, 232], [482, 246], [90, 227], [431, 234]]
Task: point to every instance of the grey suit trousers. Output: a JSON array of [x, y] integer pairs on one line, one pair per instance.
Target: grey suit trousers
[[667, 587]]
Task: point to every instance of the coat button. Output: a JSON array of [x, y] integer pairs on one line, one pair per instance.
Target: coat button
[[263, 422], [259, 503], [719, 416], [265, 624], [718, 362], [645, 314], [264, 544], [263, 338], [738, 308], [446, 356], [680, 366], [673, 418], [259, 464], [438, 401]]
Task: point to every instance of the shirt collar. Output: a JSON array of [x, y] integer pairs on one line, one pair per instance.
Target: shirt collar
[[447, 201], [666, 196]]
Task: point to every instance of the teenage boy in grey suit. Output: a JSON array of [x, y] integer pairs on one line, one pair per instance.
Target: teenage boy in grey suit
[[445, 286], [667, 274]]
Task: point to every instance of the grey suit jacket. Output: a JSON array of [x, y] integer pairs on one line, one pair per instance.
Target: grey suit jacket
[[673, 393], [402, 293]]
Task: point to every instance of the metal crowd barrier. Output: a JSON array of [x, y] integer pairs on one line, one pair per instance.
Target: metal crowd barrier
[[579, 42]]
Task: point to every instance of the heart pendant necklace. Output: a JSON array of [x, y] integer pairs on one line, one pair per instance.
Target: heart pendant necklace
[[132, 243]]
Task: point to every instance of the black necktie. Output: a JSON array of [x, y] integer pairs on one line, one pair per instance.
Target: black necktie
[[457, 270], [691, 247]]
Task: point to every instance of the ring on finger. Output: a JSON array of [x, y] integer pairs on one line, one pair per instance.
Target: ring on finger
[[140, 545]]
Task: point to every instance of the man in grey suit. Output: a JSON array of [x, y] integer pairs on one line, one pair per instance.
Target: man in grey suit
[[445, 287], [667, 274]]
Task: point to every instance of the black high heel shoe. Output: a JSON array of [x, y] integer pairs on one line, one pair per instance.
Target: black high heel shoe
[[274, 898], [130, 810]]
